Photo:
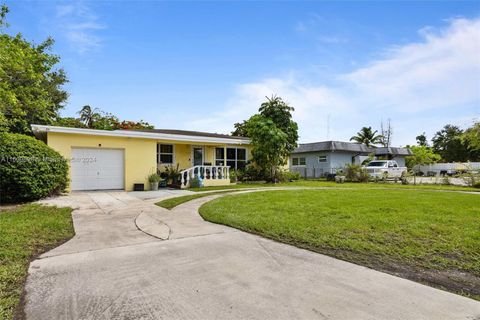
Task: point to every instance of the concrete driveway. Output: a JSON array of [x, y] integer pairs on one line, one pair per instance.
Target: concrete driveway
[[113, 270]]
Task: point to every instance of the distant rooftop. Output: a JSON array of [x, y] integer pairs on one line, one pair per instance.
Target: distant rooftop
[[332, 146]]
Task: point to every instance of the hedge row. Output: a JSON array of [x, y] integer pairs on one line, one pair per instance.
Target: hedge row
[[29, 169]]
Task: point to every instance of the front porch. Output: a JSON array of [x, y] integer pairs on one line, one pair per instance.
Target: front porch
[[210, 163]]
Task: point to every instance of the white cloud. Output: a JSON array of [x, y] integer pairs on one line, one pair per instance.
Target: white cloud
[[419, 85], [441, 71], [79, 25]]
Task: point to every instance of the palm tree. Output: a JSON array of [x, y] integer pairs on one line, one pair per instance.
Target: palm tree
[[367, 136], [87, 115]]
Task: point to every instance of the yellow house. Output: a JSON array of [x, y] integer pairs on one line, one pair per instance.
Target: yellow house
[[107, 160]]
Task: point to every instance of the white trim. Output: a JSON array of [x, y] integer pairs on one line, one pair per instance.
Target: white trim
[[322, 155], [158, 153], [138, 134], [215, 159]]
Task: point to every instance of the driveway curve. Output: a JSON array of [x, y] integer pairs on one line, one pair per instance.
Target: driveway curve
[[112, 270]]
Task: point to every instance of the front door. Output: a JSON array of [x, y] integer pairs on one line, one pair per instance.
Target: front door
[[197, 156]]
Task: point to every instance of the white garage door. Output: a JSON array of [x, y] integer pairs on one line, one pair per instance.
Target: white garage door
[[97, 169]]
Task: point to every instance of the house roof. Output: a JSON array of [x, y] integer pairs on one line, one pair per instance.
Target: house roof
[[393, 151], [331, 146], [40, 132], [191, 133]]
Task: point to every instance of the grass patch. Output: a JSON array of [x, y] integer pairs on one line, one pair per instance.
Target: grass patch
[[171, 203], [27, 231], [430, 237], [324, 183]]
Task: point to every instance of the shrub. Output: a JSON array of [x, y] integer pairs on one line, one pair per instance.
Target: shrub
[[355, 173], [195, 182], [363, 175], [29, 169], [292, 176], [253, 173], [471, 178], [233, 176], [172, 174], [283, 176]]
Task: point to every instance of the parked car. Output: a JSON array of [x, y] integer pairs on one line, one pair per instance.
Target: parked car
[[385, 169]]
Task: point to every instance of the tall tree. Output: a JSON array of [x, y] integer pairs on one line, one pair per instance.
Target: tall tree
[[422, 140], [240, 129], [273, 135], [31, 84], [269, 145], [281, 115], [367, 136], [386, 133], [449, 145]]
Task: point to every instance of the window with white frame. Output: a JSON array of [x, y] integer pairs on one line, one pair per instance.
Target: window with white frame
[[301, 161], [165, 153], [219, 156], [322, 158], [236, 157]]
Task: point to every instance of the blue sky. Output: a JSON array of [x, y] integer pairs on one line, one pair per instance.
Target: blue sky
[[205, 65]]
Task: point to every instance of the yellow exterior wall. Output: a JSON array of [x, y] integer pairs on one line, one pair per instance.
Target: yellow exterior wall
[[140, 154]]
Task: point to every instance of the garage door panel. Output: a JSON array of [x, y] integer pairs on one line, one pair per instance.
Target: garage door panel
[[97, 169]]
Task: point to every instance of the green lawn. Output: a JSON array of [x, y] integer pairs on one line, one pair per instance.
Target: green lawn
[[27, 231], [430, 237], [323, 183], [173, 202]]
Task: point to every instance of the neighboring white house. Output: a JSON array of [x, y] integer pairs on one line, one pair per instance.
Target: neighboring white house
[[314, 160]]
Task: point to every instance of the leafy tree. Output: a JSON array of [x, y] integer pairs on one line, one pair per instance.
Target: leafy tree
[[273, 135], [449, 145], [471, 137], [69, 122], [281, 115], [422, 155], [104, 121], [31, 85], [98, 119], [132, 125], [3, 123], [422, 140], [269, 144], [240, 129], [367, 136], [89, 115]]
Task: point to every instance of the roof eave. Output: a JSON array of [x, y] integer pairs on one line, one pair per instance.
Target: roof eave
[[38, 130]]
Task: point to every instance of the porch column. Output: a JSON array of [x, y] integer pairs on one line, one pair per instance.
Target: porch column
[[224, 155]]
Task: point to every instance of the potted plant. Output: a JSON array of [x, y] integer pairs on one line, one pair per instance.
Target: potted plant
[[154, 179]]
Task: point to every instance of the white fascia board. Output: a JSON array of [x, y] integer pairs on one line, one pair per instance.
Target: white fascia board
[[138, 134]]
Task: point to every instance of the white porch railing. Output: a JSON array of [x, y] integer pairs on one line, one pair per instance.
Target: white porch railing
[[205, 173]]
